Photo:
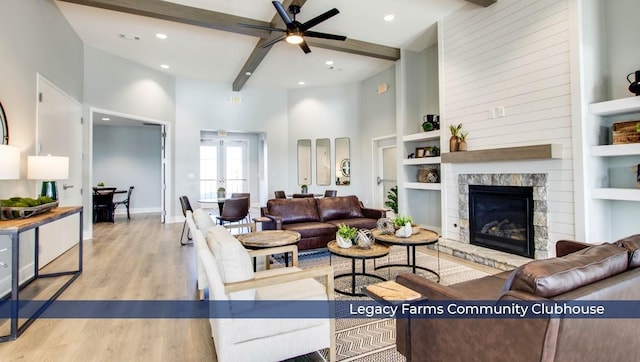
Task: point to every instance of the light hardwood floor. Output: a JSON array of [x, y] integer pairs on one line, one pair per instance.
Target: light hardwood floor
[[139, 259]]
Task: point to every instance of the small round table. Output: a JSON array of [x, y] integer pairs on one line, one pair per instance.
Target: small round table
[[269, 239], [419, 238], [354, 252]]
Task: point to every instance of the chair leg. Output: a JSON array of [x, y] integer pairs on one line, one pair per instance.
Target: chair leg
[[128, 216]]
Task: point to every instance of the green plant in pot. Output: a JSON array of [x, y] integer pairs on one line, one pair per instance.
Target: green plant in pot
[[392, 199], [403, 224], [346, 236], [221, 192], [454, 141]]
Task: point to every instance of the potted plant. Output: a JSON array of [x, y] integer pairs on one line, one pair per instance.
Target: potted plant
[[346, 236], [100, 184], [221, 192], [304, 189], [392, 199], [462, 144], [454, 141], [403, 224]]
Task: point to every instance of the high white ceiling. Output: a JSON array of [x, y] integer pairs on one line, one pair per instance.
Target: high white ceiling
[[202, 53]]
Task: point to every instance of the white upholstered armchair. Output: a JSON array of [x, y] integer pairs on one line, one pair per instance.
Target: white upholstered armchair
[[230, 277]]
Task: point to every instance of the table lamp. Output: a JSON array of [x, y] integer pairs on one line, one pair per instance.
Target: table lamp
[[9, 162], [48, 169]]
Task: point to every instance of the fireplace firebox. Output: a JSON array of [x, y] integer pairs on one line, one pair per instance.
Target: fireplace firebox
[[501, 218]]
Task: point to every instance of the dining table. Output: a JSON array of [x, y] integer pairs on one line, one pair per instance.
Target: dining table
[[219, 201]]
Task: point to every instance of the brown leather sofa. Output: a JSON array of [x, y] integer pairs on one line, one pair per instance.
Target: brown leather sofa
[[581, 272], [317, 220]]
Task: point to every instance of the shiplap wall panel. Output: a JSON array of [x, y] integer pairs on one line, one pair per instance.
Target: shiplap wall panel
[[513, 54]]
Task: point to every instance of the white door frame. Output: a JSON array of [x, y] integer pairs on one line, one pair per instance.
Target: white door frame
[[166, 191], [376, 163]]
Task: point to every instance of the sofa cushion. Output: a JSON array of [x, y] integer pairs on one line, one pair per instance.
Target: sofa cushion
[[358, 223], [342, 207], [312, 229], [551, 277], [632, 244], [294, 210], [234, 263], [203, 220]]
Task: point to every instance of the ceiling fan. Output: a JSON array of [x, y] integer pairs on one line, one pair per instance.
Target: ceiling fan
[[296, 31]]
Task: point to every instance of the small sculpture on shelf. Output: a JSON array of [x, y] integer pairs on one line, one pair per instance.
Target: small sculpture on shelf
[[430, 122]]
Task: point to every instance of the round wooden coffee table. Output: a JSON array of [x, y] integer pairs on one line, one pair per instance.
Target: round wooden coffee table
[[353, 253], [422, 237], [269, 239]]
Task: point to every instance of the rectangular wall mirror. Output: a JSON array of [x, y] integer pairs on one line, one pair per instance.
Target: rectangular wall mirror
[[323, 162], [304, 162], [343, 161]]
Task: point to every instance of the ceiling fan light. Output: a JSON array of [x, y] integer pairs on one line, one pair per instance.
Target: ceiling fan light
[[294, 39]]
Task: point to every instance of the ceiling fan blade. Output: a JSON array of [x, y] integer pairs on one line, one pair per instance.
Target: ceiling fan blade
[[315, 34], [268, 28], [273, 41], [305, 47], [283, 13], [318, 19]]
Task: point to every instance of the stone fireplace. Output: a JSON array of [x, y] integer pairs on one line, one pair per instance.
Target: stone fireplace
[[523, 233]]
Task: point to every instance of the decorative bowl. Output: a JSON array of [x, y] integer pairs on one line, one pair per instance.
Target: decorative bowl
[[11, 213]]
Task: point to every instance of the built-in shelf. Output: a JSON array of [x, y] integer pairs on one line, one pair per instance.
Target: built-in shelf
[[422, 186], [629, 149], [547, 151], [421, 161], [616, 107], [422, 136], [616, 194]]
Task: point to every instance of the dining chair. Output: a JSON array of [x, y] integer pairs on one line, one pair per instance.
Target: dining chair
[[186, 206], [280, 195], [125, 202], [236, 195], [330, 193], [234, 210], [103, 207]]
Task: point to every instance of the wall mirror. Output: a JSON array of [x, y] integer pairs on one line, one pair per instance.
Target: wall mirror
[[304, 162], [4, 128], [343, 161], [323, 162]]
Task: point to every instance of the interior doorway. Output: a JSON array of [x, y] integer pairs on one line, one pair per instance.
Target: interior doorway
[[127, 150], [385, 171]]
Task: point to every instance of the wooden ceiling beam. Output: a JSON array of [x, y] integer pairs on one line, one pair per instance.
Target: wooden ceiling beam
[[164, 10]]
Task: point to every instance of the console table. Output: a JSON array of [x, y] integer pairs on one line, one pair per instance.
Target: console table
[[13, 228]]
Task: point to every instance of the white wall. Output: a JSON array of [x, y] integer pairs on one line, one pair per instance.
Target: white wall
[[513, 54], [202, 105], [35, 38], [126, 156]]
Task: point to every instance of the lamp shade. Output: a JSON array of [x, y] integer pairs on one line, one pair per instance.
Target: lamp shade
[[47, 167], [9, 162]]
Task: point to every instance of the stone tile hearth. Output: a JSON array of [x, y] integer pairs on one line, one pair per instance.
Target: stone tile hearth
[[489, 257]]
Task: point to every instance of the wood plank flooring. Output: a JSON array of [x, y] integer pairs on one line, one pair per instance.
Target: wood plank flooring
[[140, 259]]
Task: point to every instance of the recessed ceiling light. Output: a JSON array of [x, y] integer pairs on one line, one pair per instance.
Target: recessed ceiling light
[[106, 118], [164, 66], [329, 62], [161, 36], [247, 73], [301, 83], [389, 17]]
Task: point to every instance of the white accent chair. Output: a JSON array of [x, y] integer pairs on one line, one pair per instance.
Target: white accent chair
[[230, 277]]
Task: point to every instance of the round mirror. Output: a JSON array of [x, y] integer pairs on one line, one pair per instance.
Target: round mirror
[[346, 167], [4, 128]]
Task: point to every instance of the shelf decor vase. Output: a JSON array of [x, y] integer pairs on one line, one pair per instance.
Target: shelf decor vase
[[343, 242], [454, 143], [462, 145]]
